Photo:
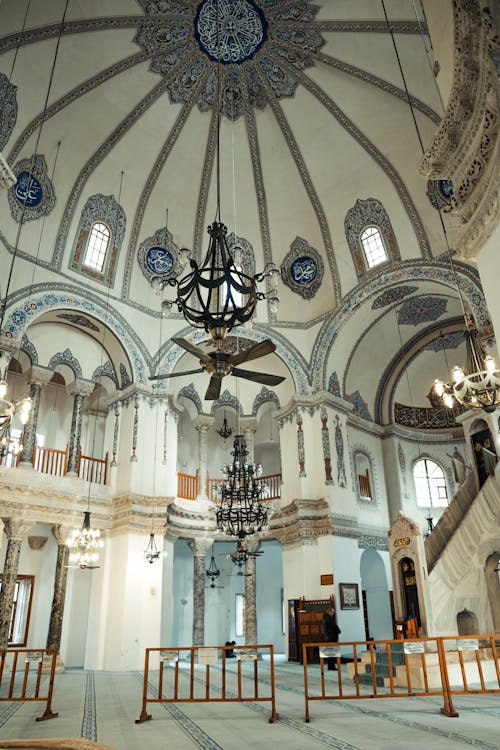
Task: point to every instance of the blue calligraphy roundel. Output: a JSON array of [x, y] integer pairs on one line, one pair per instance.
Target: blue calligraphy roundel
[[446, 188], [159, 260], [28, 190], [242, 29], [304, 270]]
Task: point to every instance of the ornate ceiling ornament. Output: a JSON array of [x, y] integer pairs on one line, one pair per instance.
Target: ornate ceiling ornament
[[394, 294], [439, 192], [302, 269], [253, 37], [8, 109], [419, 310], [33, 194], [158, 256]]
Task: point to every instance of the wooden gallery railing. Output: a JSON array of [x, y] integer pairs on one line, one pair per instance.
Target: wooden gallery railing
[[187, 486], [435, 666], [207, 677], [55, 462], [27, 687]]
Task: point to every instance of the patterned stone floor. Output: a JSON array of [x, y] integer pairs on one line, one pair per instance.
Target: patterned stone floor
[[102, 706]]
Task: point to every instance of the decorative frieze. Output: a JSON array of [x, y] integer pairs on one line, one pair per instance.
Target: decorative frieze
[[325, 441]]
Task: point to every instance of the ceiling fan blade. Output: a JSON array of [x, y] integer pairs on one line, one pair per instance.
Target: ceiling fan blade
[[255, 351], [258, 377], [213, 390], [176, 374], [192, 349]]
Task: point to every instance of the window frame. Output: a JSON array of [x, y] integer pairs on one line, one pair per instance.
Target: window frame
[[88, 265], [435, 488], [26, 613], [239, 615], [378, 232]]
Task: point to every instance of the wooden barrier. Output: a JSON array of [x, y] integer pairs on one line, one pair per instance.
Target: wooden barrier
[[19, 692], [440, 666], [187, 486], [177, 685], [55, 462], [93, 469], [50, 461]]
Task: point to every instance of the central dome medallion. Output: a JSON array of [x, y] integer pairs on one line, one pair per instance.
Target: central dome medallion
[[242, 29]]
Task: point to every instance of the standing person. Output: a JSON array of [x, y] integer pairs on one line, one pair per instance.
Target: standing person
[[332, 632]]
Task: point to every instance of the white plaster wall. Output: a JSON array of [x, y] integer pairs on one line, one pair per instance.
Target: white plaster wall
[[75, 621], [134, 614], [346, 560]]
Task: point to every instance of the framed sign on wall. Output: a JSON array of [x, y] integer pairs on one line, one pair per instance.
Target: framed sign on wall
[[349, 595]]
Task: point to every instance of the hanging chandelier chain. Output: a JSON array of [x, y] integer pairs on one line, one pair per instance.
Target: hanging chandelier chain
[[217, 31]]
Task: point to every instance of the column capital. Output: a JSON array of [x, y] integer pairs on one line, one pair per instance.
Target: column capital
[[17, 528], [38, 375], [204, 422], [199, 547], [61, 533], [80, 387], [248, 424]]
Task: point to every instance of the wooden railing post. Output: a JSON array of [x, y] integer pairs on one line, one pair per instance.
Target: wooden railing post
[[106, 458]]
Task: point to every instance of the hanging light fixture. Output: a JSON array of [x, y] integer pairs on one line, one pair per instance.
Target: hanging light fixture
[[213, 572], [218, 295], [151, 552], [8, 409], [84, 545], [477, 385], [240, 511], [225, 431]]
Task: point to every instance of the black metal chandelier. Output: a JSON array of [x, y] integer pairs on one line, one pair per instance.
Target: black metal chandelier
[[218, 295], [240, 510], [212, 572], [151, 553], [224, 430], [477, 385]]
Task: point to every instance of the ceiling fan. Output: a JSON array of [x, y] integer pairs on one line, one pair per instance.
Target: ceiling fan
[[218, 364]]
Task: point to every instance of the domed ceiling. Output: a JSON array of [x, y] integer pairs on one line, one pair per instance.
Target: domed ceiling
[[115, 107]]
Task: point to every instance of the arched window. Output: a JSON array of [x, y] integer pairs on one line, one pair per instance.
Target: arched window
[[370, 236], [430, 484], [373, 246], [98, 239], [95, 254]]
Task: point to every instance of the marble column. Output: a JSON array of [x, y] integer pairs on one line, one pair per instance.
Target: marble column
[[203, 424], [251, 595], [199, 548], [16, 530], [38, 377], [78, 389], [248, 426], [61, 534]]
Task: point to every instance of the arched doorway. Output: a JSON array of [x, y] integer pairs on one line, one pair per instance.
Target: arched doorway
[[410, 591], [375, 593]]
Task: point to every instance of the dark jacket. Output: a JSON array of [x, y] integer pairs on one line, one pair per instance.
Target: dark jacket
[[332, 630]]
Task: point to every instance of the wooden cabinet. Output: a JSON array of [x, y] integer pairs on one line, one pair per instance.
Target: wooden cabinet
[[305, 625]]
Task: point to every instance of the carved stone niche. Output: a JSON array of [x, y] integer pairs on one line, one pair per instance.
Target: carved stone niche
[[37, 542]]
